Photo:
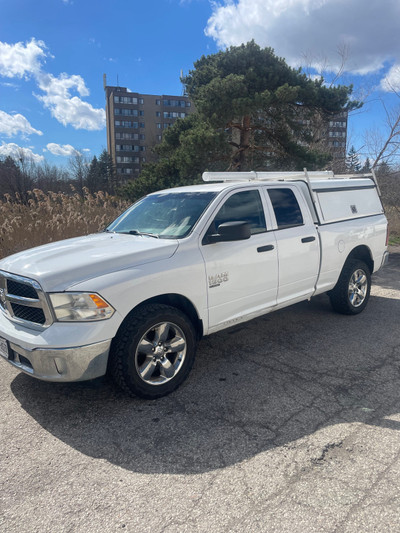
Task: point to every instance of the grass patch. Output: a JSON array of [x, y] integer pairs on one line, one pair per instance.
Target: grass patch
[[394, 240]]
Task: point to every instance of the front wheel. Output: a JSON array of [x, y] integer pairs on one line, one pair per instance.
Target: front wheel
[[154, 351], [351, 293]]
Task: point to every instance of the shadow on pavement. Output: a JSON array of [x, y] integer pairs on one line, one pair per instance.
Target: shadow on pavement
[[264, 384], [389, 277]]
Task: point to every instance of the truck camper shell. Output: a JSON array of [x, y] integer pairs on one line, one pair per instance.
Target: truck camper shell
[[330, 198]]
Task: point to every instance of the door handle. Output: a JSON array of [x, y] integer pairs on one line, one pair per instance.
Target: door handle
[[266, 248], [308, 239]]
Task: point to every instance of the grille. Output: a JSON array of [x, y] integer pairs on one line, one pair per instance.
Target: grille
[[23, 300], [31, 314], [20, 289]]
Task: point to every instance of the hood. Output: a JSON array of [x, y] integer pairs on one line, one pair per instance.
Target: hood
[[59, 265]]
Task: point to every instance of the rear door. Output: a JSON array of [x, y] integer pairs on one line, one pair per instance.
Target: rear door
[[242, 275], [297, 243]]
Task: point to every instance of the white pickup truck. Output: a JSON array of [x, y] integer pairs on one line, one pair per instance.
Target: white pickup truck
[[186, 262]]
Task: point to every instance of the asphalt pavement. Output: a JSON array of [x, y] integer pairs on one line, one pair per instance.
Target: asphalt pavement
[[289, 423]]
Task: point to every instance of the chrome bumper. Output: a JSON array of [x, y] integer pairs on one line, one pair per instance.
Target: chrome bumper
[[61, 364]]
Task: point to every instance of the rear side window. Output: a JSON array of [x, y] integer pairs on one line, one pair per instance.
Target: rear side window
[[245, 206], [286, 208]]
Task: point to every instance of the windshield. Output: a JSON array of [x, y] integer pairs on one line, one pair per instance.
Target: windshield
[[165, 215]]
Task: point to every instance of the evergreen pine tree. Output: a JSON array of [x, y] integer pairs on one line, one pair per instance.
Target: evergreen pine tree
[[366, 167], [253, 112], [107, 172], [352, 161], [94, 181]]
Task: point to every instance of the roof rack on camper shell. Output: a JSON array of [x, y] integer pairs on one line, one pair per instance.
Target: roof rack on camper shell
[[286, 176], [280, 176]]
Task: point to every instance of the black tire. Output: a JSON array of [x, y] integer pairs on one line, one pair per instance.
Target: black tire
[[153, 352], [351, 293]]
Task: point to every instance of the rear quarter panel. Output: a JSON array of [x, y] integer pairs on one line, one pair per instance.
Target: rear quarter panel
[[340, 238]]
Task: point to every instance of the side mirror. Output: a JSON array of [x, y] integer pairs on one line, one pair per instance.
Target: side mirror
[[231, 231]]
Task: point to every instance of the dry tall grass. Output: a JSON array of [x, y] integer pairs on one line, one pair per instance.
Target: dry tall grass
[[52, 217]]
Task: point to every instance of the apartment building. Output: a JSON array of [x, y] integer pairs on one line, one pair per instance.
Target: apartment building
[[336, 140], [135, 124], [329, 135]]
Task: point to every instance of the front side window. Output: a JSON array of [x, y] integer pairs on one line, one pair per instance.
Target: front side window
[[243, 206], [286, 208]]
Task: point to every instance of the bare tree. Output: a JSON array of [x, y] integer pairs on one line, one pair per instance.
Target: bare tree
[[79, 167], [384, 145], [51, 178]]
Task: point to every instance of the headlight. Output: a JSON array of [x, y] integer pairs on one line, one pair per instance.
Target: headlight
[[80, 307]]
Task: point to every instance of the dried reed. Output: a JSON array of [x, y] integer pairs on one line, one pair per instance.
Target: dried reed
[[53, 216]]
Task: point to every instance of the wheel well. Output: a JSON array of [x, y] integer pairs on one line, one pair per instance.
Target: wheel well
[[179, 302], [363, 253]]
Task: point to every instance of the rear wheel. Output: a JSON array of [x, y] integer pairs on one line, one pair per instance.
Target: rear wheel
[[154, 351], [351, 293]]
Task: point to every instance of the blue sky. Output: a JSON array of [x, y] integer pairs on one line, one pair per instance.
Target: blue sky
[[53, 54]]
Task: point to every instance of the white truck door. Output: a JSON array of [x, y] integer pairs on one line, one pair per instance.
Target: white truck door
[[297, 244], [242, 276]]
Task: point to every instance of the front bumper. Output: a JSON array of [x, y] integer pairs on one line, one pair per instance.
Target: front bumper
[[61, 364]]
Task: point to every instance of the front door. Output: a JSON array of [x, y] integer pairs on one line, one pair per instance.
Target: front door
[[242, 276]]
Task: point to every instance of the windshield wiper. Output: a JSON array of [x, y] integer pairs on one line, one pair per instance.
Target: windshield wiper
[[141, 233]]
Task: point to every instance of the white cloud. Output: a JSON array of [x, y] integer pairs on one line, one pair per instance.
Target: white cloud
[[62, 85], [19, 59], [11, 125], [63, 150], [17, 152], [391, 82], [68, 109], [10, 84], [22, 60], [313, 28]]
